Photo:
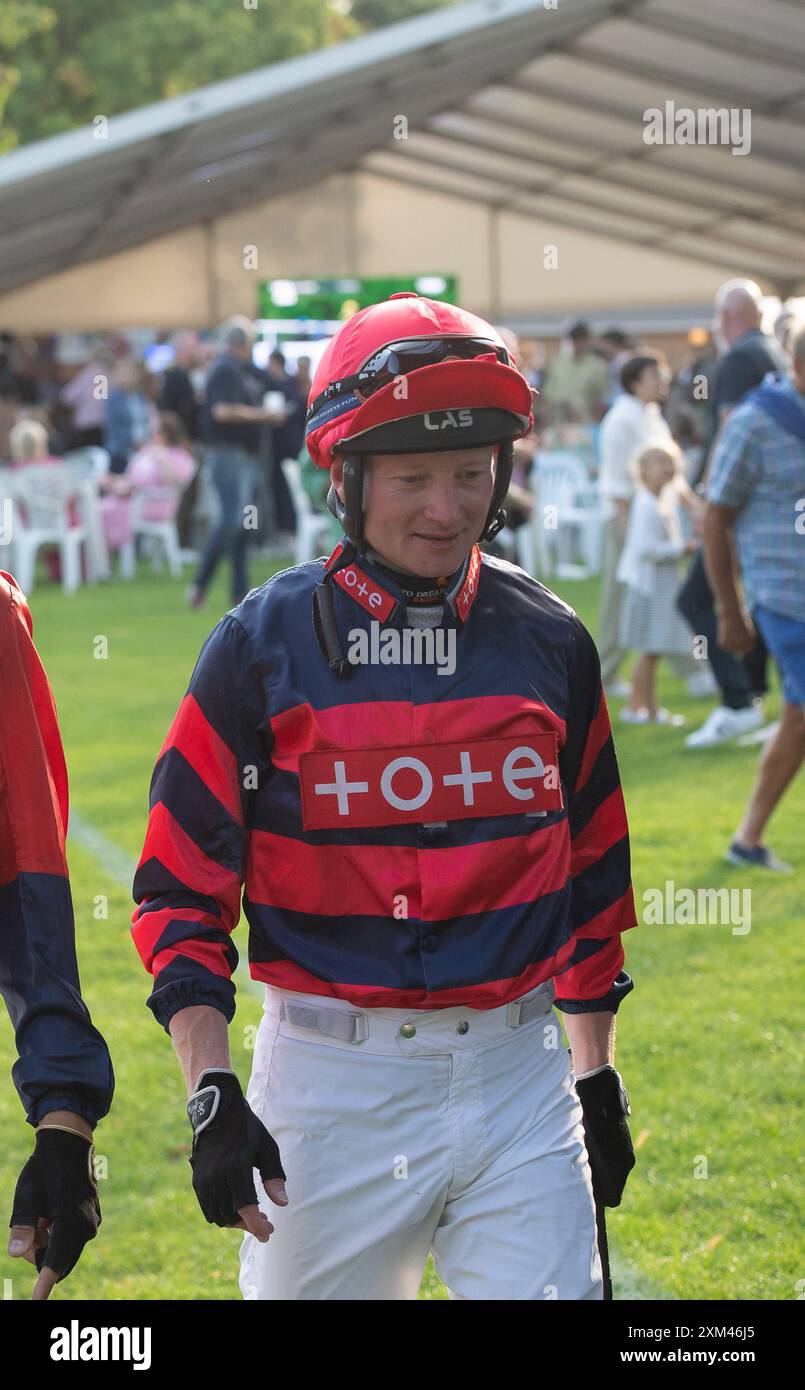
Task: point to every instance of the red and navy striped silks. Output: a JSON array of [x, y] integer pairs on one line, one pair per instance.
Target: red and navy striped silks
[[434, 907]]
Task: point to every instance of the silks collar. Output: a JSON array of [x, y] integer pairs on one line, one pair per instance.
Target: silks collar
[[379, 596]]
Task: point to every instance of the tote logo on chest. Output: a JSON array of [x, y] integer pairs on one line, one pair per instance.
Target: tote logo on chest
[[423, 783]]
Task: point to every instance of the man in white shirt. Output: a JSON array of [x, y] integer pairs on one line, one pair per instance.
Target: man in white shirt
[[633, 421]]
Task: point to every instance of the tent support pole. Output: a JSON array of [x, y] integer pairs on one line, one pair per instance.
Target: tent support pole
[[210, 274], [495, 296]]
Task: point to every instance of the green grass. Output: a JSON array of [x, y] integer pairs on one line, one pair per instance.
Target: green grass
[[708, 1042]]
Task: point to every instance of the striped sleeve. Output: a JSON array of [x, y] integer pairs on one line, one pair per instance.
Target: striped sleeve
[[602, 901], [63, 1061], [189, 879]]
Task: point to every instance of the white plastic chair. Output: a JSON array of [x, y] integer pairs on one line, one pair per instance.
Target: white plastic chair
[[517, 545], [41, 495], [526, 550], [88, 466], [6, 520], [91, 460], [561, 483], [161, 537], [312, 528]]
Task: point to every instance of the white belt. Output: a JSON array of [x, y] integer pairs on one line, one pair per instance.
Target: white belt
[[334, 1020]]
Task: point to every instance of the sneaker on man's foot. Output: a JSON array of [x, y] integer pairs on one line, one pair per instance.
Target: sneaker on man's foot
[[759, 856], [724, 724]]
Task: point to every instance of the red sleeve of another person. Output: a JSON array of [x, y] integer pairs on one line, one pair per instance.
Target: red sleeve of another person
[[63, 1060]]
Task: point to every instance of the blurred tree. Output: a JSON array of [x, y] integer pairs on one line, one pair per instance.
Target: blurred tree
[[67, 63], [375, 14], [62, 64], [19, 24]]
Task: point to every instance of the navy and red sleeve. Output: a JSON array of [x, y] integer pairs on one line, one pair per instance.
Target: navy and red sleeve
[[189, 878], [63, 1062], [602, 901]]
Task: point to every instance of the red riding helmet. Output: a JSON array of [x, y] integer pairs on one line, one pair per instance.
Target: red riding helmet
[[414, 375]]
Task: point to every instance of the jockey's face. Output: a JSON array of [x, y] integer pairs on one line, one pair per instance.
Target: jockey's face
[[424, 512]]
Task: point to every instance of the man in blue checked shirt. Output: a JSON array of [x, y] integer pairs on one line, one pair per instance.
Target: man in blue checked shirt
[[757, 492]]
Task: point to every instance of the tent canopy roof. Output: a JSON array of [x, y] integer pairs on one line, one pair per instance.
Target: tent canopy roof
[[537, 111]]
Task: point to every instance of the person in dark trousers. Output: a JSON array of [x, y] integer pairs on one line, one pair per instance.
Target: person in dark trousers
[[177, 393], [63, 1074], [234, 421], [178, 396], [751, 355], [303, 379], [286, 441]]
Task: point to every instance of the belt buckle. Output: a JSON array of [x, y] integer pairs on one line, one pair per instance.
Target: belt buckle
[[534, 1007], [316, 1018]]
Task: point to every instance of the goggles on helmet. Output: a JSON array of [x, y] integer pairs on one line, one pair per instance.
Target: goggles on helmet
[[394, 360]]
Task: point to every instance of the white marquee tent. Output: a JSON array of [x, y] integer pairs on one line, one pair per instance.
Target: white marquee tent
[[471, 140]]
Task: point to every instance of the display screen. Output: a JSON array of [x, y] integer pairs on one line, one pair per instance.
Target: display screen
[[338, 299]]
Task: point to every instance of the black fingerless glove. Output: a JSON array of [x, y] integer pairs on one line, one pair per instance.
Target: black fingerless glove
[[605, 1105], [58, 1183], [229, 1141]]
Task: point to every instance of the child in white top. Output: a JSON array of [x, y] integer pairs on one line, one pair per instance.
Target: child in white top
[[649, 568]]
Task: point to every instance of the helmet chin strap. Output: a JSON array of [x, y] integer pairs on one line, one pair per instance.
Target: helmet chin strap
[[496, 516], [350, 512]]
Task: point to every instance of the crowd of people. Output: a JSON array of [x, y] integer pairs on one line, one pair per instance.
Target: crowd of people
[[687, 465], [211, 406], [706, 467]]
